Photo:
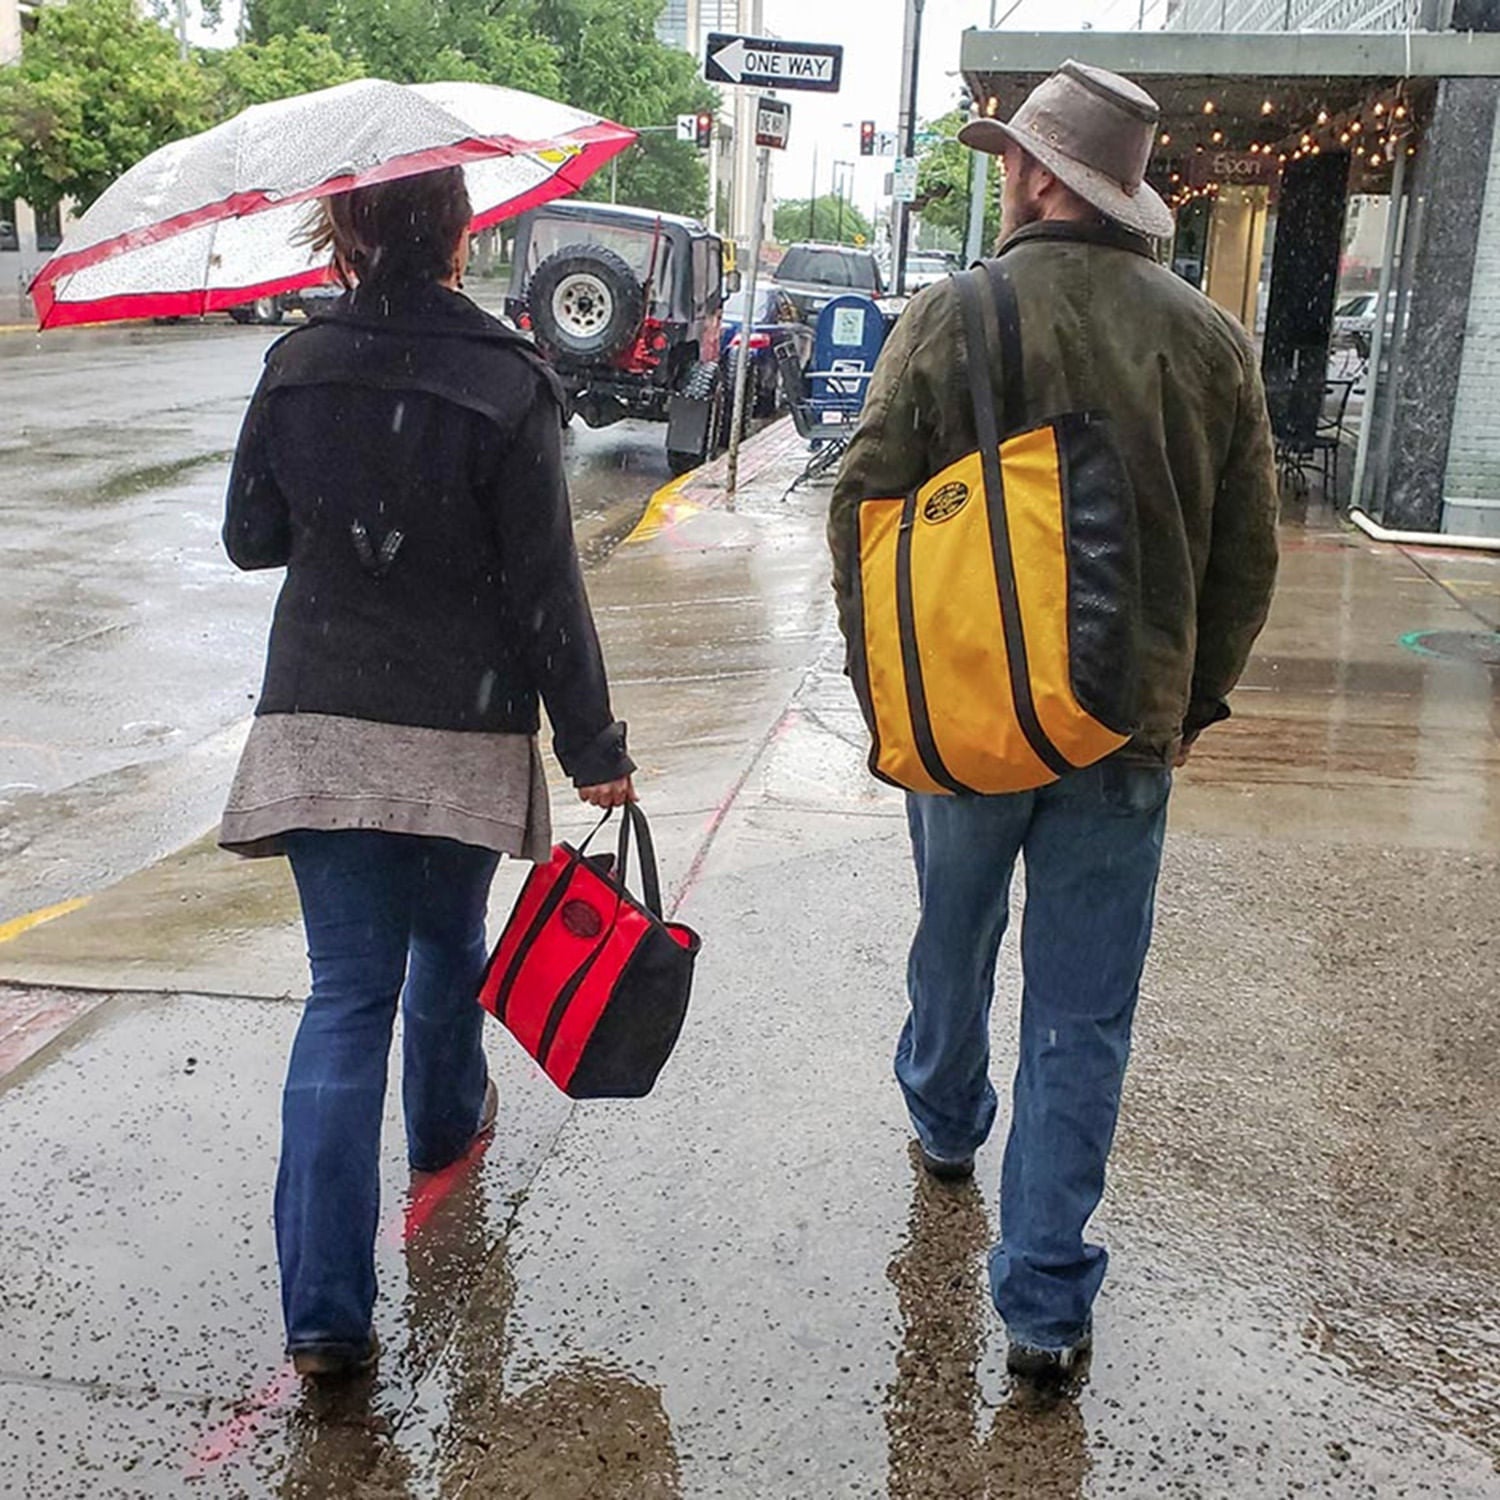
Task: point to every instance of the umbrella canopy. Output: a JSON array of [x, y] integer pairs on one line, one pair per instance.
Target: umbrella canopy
[[211, 222]]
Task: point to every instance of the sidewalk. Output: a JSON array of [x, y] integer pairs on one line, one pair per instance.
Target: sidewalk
[[740, 1287]]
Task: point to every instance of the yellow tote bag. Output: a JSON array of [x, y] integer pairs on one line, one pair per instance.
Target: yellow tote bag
[[999, 603]]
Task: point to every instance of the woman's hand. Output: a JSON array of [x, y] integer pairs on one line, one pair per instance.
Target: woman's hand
[[609, 793]]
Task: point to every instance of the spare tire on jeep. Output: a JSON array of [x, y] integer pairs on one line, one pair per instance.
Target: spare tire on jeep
[[585, 302]]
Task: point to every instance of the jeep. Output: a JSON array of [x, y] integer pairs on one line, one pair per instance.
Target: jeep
[[626, 304]]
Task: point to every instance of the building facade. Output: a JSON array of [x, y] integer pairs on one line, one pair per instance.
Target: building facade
[[1434, 413]]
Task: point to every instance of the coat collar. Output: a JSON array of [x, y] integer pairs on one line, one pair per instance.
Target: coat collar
[[1081, 232], [422, 309]]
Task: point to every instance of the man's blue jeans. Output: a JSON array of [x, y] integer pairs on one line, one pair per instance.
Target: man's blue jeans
[[390, 918], [1092, 844]]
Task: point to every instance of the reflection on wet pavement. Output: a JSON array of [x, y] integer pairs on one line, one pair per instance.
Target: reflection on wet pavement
[[945, 1443]]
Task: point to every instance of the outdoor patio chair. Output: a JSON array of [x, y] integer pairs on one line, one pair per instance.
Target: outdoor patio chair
[[1320, 451]]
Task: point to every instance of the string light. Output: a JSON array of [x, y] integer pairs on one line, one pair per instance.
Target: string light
[[1208, 106], [1217, 137], [1268, 108]]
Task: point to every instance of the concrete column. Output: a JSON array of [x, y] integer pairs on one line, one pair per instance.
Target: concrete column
[[1304, 279], [1448, 195], [1471, 490]]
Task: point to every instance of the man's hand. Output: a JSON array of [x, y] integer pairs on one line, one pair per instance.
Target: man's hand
[[1184, 750], [609, 793]]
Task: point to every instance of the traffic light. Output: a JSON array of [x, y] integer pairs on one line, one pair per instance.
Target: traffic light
[[867, 137], [705, 130]]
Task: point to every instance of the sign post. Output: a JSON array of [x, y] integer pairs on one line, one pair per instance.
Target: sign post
[[765, 63], [772, 122]]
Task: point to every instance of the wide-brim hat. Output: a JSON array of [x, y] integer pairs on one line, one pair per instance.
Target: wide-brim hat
[[1094, 131]]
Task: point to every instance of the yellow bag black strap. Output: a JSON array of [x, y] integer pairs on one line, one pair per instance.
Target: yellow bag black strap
[[971, 287]]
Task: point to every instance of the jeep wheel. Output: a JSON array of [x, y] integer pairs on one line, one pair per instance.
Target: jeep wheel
[[585, 302], [704, 382]]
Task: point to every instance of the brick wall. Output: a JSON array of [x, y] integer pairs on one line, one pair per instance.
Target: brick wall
[[1474, 456]]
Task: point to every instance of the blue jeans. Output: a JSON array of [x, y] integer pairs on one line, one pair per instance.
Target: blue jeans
[[1092, 844], [390, 918]]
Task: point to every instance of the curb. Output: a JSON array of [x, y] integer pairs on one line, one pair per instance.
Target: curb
[[673, 504]]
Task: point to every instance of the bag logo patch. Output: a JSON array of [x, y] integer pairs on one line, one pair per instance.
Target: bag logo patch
[[946, 503], [581, 919]]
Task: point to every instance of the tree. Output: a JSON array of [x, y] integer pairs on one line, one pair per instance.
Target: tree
[[829, 223], [98, 87], [423, 41], [258, 72], [944, 177], [600, 55], [614, 65]]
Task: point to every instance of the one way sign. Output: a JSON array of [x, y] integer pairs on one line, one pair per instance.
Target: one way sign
[[762, 62]]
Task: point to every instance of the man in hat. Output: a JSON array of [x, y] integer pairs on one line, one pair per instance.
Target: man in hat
[[1104, 328]]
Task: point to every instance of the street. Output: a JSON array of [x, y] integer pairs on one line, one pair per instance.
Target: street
[[741, 1287], [128, 649]]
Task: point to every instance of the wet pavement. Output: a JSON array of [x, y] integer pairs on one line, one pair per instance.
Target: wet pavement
[[129, 652], [741, 1286]]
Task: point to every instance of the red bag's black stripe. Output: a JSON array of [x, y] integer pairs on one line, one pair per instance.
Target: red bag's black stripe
[[994, 484], [545, 913]]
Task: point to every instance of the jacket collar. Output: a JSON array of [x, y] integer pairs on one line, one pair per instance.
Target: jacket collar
[[1081, 232], [422, 309]]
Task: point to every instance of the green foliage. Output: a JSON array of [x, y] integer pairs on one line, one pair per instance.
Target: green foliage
[[98, 87], [100, 84], [792, 222], [600, 55], [943, 184], [258, 72], [657, 172], [614, 65], [423, 41]]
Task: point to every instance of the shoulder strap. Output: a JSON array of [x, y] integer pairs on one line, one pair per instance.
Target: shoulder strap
[[1012, 363], [990, 277]]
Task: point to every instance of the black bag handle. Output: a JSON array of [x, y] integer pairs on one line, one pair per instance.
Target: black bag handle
[[633, 819]]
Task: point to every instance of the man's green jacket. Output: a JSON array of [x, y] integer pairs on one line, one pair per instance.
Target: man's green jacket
[[1104, 328]]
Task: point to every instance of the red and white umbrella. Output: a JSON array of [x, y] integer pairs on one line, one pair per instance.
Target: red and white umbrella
[[211, 222]]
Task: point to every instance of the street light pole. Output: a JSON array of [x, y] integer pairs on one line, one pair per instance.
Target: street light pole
[[812, 199], [974, 246], [911, 56]]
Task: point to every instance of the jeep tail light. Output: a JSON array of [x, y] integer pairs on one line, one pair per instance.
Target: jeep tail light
[[525, 322], [758, 341], [659, 341]]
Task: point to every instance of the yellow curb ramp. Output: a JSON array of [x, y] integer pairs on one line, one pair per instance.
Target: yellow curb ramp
[[13, 929], [665, 508]]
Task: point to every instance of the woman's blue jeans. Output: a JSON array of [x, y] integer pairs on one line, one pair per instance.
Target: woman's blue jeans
[[1092, 843], [391, 919]]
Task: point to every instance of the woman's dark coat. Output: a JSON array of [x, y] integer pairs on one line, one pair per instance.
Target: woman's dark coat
[[402, 459]]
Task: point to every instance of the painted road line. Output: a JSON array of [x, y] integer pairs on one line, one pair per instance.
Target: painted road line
[[17, 925]]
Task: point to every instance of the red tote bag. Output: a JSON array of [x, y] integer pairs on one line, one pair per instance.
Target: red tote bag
[[593, 983]]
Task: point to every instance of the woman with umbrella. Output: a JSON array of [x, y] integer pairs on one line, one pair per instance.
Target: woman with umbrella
[[402, 459]]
